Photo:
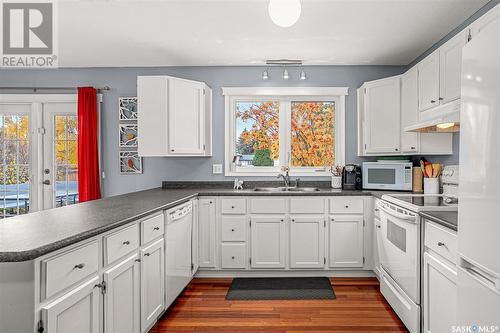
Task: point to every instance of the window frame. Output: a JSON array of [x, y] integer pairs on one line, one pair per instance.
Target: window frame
[[284, 95]]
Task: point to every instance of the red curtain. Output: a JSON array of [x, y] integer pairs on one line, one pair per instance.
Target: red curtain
[[88, 157]]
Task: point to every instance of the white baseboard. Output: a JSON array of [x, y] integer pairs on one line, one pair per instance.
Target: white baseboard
[[275, 273]]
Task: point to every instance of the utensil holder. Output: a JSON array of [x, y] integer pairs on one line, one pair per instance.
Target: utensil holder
[[431, 185], [337, 182]]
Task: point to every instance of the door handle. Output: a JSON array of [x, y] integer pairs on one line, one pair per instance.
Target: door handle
[[46, 182]]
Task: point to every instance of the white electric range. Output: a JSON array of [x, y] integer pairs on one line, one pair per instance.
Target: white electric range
[[399, 243]]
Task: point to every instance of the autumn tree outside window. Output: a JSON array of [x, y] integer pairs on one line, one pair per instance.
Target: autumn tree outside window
[[267, 128]]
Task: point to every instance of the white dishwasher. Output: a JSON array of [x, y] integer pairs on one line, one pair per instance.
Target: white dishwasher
[[178, 250]]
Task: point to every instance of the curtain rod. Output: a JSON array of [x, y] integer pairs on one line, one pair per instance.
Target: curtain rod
[[35, 89]]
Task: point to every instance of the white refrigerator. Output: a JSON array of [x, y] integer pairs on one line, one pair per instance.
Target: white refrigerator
[[479, 194]]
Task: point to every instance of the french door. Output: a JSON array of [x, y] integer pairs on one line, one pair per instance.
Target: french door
[[38, 153]]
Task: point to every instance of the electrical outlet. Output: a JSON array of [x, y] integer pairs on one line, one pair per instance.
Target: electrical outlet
[[217, 169]]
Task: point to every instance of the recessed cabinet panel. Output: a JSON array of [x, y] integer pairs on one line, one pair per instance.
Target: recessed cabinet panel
[[346, 241], [268, 205], [409, 111], [233, 228], [76, 311], [152, 283], [451, 68], [428, 82], [233, 206], [440, 295], [382, 116], [307, 242], [207, 233], [233, 255], [268, 242], [310, 205], [185, 117], [122, 298]]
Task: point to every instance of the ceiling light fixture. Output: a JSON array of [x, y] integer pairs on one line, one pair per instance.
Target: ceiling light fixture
[[285, 74], [284, 13], [303, 75], [265, 75]]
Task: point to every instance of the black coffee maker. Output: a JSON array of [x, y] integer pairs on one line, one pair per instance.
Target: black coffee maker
[[351, 177]]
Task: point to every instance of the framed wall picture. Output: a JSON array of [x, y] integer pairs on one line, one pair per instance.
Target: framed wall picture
[[128, 135], [130, 162], [127, 108]]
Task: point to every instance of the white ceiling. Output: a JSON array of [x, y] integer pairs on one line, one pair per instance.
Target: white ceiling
[[98, 33]]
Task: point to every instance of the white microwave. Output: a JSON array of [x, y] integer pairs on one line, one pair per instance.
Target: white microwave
[[387, 175]]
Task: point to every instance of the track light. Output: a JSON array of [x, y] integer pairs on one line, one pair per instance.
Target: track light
[[265, 75], [285, 74], [303, 75]]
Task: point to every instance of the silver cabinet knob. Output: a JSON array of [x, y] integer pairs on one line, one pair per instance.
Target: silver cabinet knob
[[79, 266], [126, 243], [440, 98], [433, 101], [147, 254], [46, 182], [232, 258], [232, 230], [441, 244], [156, 228]]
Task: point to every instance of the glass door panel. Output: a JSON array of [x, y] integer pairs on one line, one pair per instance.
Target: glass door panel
[[15, 163]]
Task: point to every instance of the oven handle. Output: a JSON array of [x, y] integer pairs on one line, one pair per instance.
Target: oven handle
[[407, 218]]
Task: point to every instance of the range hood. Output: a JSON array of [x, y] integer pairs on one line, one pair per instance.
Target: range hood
[[441, 119]]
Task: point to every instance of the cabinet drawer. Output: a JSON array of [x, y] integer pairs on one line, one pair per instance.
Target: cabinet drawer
[[233, 206], [441, 241], [346, 205], [233, 228], [307, 206], [70, 267], [233, 255], [268, 206], [121, 243], [152, 228]]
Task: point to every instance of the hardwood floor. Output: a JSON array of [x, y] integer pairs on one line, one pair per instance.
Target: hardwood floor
[[359, 307]]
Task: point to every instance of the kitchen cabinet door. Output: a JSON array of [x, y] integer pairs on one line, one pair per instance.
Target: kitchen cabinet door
[[195, 238], [267, 242], [307, 239], [440, 295], [152, 283], [346, 241], [450, 68], [409, 111], [484, 21], [122, 298], [376, 237], [185, 117], [206, 233], [428, 82], [382, 116], [76, 311]]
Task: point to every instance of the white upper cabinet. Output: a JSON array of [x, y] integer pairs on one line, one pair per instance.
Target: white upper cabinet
[[485, 21], [428, 82], [450, 64], [439, 74], [382, 116], [409, 112], [175, 117]]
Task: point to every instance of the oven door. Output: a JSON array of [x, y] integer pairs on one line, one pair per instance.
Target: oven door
[[399, 247]]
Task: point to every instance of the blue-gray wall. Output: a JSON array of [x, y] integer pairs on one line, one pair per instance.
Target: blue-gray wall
[[123, 83]]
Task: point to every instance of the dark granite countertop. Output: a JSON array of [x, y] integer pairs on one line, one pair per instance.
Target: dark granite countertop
[[446, 219], [30, 236]]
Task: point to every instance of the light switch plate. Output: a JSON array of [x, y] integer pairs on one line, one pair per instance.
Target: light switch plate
[[217, 169]]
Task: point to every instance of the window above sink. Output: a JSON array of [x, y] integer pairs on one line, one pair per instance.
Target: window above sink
[[267, 128]]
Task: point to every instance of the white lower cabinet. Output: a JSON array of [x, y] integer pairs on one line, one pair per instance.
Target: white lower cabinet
[[206, 233], [152, 283], [346, 241], [307, 238], [440, 295], [122, 298], [267, 241], [233, 255], [76, 311]]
